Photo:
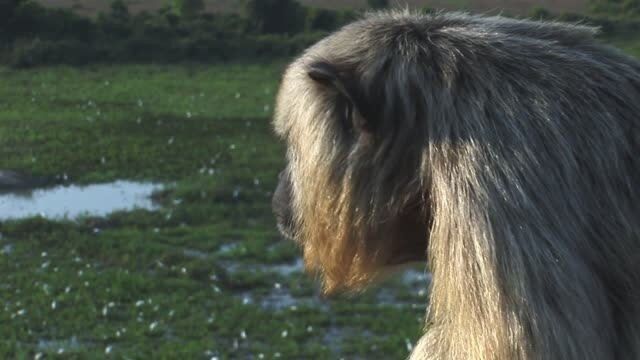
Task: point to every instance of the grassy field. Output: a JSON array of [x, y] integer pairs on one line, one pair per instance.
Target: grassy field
[[207, 276]]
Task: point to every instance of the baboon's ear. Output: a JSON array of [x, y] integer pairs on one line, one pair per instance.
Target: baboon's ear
[[328, 75], [323, 72]]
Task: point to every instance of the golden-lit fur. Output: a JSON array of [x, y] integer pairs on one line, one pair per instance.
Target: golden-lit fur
[[504, 152], [347, 241]]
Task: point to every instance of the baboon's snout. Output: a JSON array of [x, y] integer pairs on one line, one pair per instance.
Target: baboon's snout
[[281, 204]]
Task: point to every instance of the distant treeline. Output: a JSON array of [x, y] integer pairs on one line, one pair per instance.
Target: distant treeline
[[33, 35]]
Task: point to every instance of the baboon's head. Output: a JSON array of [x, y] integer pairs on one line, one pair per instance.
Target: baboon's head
[[353, 192]]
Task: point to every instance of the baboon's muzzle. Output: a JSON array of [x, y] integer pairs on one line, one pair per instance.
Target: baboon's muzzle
[[281, 204]]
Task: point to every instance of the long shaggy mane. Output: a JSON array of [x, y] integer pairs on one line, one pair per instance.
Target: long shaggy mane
[[520, 139]]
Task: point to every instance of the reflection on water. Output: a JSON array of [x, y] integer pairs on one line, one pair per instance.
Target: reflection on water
[[73, 201]]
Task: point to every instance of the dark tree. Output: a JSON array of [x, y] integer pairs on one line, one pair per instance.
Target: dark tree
[[187, 8], [322, 20], [378, 4], [7, 9], [120, 11], [275, 16]]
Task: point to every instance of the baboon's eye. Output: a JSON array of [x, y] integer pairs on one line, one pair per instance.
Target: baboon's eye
[[348, 113], [347, 116]]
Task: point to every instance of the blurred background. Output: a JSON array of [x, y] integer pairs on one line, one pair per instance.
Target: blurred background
[[136, 169]]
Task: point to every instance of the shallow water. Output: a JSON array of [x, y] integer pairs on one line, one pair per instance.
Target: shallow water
[[73, 201]]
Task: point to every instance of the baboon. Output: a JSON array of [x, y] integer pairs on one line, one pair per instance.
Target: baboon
[[504, 152]]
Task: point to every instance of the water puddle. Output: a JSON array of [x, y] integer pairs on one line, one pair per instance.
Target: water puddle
[[61, 346], [195, 254], [287, 269], [415, 277], [280, 299], [406, 289], [74, 201]]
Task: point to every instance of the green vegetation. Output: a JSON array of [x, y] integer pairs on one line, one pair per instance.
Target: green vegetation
[[276, 16], [630, 44], [206, 276], [32, 35], [617, 8], [268, 30], [378, 4], [187, 8]]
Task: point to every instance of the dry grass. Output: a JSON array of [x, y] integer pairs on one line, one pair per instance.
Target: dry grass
[[92, 7]]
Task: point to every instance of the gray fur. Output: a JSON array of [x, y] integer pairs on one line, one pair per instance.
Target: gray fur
[[522, 141]]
